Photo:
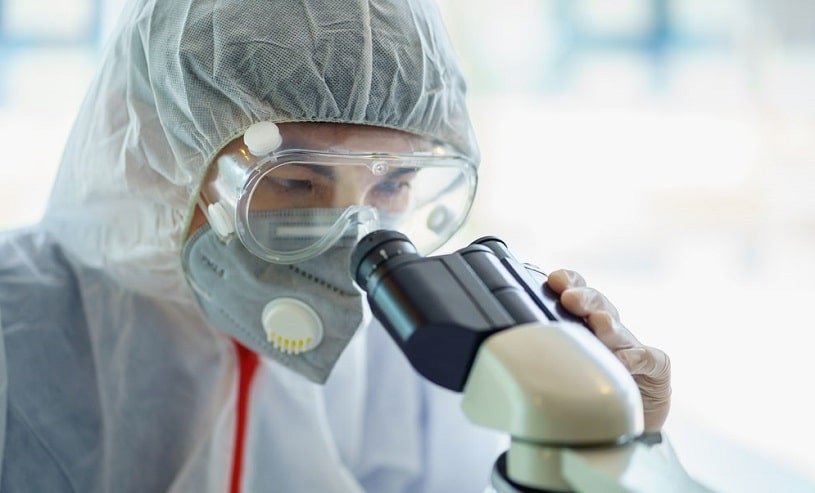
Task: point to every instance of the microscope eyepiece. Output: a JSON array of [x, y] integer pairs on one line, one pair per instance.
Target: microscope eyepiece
[[374, 249], [440, 308]]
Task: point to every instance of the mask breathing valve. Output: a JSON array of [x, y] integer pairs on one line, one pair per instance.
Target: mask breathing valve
[[292, 326]]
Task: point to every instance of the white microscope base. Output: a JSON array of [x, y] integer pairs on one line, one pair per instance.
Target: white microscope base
[[640, 468]]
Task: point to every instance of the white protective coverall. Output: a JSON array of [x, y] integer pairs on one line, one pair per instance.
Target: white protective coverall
[[110, 378]]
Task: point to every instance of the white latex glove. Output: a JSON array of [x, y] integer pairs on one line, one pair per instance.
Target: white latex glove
[[650, 367]]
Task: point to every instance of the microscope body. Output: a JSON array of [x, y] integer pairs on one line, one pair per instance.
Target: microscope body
[[479, 322]]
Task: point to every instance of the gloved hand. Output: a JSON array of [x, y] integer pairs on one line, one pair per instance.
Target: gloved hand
[[650, 367]]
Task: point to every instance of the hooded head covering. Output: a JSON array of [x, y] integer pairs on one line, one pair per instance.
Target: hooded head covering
[[110, 363], [182, 78]]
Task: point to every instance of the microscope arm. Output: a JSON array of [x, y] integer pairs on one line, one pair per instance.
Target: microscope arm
[[479, 322], [572, 412]]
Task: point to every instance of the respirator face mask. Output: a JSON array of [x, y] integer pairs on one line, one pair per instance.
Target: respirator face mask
[[285, 208]]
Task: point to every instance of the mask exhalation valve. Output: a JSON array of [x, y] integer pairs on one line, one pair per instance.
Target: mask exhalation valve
[[292, 326]]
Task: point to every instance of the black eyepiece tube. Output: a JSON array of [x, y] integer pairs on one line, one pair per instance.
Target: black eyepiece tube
[[376, 248], [436, 308], [498, 247], [533, 280], [439, 309], [512, 295]]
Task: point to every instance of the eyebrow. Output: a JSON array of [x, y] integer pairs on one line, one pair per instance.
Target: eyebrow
[[328, 171]]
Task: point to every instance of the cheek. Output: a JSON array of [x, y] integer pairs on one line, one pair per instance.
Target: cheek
[[198, 219]]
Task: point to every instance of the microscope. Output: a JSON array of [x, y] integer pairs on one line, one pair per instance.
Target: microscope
[[479, 322]]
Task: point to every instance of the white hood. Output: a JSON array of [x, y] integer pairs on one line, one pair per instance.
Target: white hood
[[182, 78]]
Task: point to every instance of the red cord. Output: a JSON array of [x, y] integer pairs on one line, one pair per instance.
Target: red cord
[[247, 364]]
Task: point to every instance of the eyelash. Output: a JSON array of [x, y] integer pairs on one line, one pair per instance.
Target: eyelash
[[287, 185], [392, 186], [284, 185]]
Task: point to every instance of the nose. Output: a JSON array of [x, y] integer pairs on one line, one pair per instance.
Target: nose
[[351, 186], [349, 194]]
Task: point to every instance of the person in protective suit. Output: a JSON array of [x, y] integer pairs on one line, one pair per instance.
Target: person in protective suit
[[183, 317]]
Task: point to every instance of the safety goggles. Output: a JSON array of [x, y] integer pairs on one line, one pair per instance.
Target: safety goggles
[[289, 204]]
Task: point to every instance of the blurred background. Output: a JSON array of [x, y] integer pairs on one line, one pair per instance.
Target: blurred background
[[665, 149]]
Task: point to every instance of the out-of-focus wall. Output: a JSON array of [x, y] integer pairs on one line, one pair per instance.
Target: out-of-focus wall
[[48, 51], [666, 150], [662, 148]]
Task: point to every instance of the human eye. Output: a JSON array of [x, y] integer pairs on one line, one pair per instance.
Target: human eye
[[393, 186], [290, 187], [392, 193]]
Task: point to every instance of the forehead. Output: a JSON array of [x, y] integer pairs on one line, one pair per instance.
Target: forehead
[[349, 138]]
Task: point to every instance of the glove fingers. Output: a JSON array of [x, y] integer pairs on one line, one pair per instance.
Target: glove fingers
[[562, 279], [651, 369], [610, 331], [582, 301], [654, 417], [648, 362]]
